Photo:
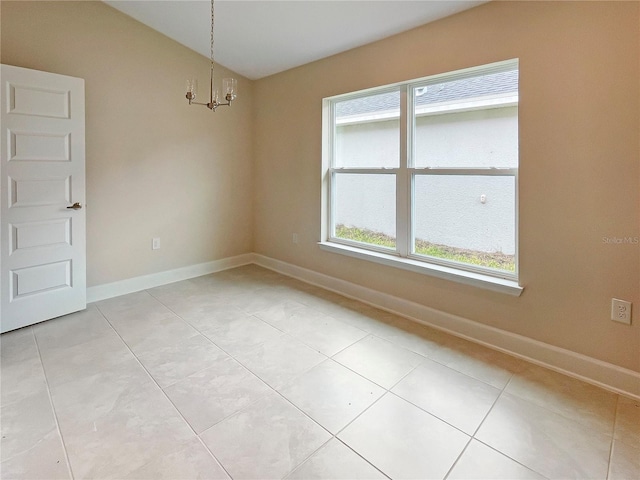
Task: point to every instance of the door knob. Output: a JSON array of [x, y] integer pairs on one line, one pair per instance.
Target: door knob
[[76, 206]]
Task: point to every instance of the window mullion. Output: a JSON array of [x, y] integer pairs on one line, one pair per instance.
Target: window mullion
[[331, 189], [403, 181]]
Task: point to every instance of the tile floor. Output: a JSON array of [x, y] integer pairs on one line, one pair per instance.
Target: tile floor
[[247, 374]]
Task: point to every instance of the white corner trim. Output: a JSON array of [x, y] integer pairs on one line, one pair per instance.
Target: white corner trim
[[135, 284], [591, 370]]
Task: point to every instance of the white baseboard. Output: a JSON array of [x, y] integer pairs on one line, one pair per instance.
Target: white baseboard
[[596, 372], [131, 285]]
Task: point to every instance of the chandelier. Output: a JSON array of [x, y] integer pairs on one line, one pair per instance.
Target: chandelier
[[229, 85]]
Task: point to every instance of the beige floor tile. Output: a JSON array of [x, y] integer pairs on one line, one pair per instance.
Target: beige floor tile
[[24, 424], [567, 396], [455, 398], [116, 421], [279, 361], [144, 334], [216, 318], [326, 334], [192, 462], [144, 309], [335, 461], [21, 379], [625, 462], [199, 308], [211, 395], [17, 345], [124, 303], [169, 364], [403, 441], [72, 330], [379, 360], [627, 427], [481, 462], [242, 334], [489, 366], [545, 441], [315, 298], [176, 291], [332, 395], [21, 373], [285, 316], [44, 460], [81, 405], [253, 302], [215, 282], [380, 324], [134, 432], [280, 438], [361, 312], [415, 337], [85, 359]]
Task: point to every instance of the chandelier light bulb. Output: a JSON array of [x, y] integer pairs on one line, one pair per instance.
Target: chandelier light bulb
[[230, 88], [192, 88]]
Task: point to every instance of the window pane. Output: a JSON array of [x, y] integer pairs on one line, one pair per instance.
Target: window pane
[[469, 219], [368, 131], [365, 208], [468, 123]]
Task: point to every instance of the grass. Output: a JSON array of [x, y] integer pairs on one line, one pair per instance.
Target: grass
[[497, 260]]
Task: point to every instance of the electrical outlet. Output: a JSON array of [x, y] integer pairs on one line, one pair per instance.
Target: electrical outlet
[[155, 244], [295, 238], [620, 311]]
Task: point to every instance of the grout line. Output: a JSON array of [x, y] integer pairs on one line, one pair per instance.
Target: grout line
[[502, 391], [343, 443], [613, 434], [331, 357], [290, 381], [251, 290], [53, 408], [232, 357], [458, 459], [333, 436], [307, 457], [165, 395], [510, 458]]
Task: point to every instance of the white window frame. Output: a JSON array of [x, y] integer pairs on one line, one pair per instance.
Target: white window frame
[[404, 256]]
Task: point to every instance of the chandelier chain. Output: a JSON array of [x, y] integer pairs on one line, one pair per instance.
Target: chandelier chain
[[212, 23]]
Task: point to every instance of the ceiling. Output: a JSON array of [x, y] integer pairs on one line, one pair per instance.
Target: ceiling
[[260, 38]]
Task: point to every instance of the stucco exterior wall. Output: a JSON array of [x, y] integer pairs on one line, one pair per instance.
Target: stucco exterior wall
[[448, 209]]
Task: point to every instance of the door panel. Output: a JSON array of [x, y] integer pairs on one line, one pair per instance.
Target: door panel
[[33, 146], [34, 101], [42, 252], [40, 278], [39, 191], [39, 234]]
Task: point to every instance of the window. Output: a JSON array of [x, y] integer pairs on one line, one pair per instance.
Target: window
[[427, 171]]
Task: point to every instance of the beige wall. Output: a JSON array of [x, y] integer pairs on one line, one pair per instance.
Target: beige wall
[[579, 165], [206, 182], [155, 166]]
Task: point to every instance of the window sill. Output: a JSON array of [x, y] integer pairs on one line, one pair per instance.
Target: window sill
[[487, 282]]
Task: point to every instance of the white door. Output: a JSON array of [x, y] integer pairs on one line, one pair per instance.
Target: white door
[[43, 246]]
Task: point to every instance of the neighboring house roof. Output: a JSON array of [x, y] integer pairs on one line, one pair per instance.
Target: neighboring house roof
[[490, 84]]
